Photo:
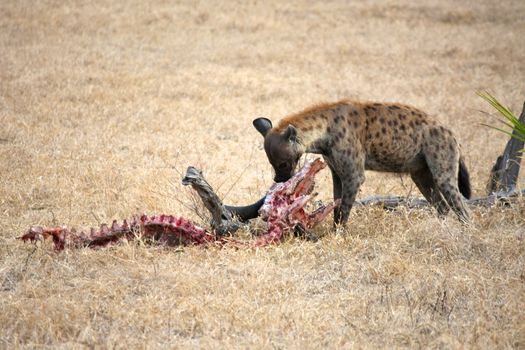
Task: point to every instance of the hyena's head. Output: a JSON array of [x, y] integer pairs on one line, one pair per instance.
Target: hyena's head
[[282, 148]]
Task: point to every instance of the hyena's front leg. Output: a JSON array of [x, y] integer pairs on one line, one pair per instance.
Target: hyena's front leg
[[350, 189], [337, 189], [351, 171]]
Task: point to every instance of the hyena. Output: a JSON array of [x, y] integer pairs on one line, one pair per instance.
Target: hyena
[[356, 136]]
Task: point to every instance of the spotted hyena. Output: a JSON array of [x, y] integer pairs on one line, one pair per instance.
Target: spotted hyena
[[357, 136]]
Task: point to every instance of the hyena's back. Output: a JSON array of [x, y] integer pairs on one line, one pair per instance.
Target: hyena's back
[[392, 138]]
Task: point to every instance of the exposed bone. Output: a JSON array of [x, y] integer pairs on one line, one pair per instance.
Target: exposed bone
[[283, 211], [165, 229]]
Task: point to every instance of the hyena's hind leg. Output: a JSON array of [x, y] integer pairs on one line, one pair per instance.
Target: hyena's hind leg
[[424, 182], [453, 197], [443, 162]]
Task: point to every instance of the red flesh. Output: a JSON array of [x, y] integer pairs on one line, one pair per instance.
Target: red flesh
[[284, 209]]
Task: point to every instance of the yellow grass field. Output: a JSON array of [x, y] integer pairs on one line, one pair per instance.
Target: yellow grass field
[[104, 104]]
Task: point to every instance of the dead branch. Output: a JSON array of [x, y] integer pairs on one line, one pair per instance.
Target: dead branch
[[504, 173], [393, 202], [222, 219]]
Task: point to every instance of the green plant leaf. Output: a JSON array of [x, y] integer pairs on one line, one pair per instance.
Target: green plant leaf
[[511, 121], [517, 136]]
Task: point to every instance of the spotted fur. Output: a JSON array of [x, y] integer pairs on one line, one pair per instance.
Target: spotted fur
[[356, 136]]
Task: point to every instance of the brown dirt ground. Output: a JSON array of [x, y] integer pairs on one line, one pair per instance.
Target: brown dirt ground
[[104, 104]]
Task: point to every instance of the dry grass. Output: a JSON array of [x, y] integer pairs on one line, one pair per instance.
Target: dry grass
[[102, 105]]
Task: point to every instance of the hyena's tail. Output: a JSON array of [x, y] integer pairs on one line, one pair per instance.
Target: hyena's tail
[[464, 179]]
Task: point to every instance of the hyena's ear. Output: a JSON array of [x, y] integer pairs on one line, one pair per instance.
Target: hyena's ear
[[262, 125], [290, 134]]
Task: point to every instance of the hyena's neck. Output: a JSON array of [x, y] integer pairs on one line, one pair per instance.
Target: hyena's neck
[[313, 124], [311, 131]]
